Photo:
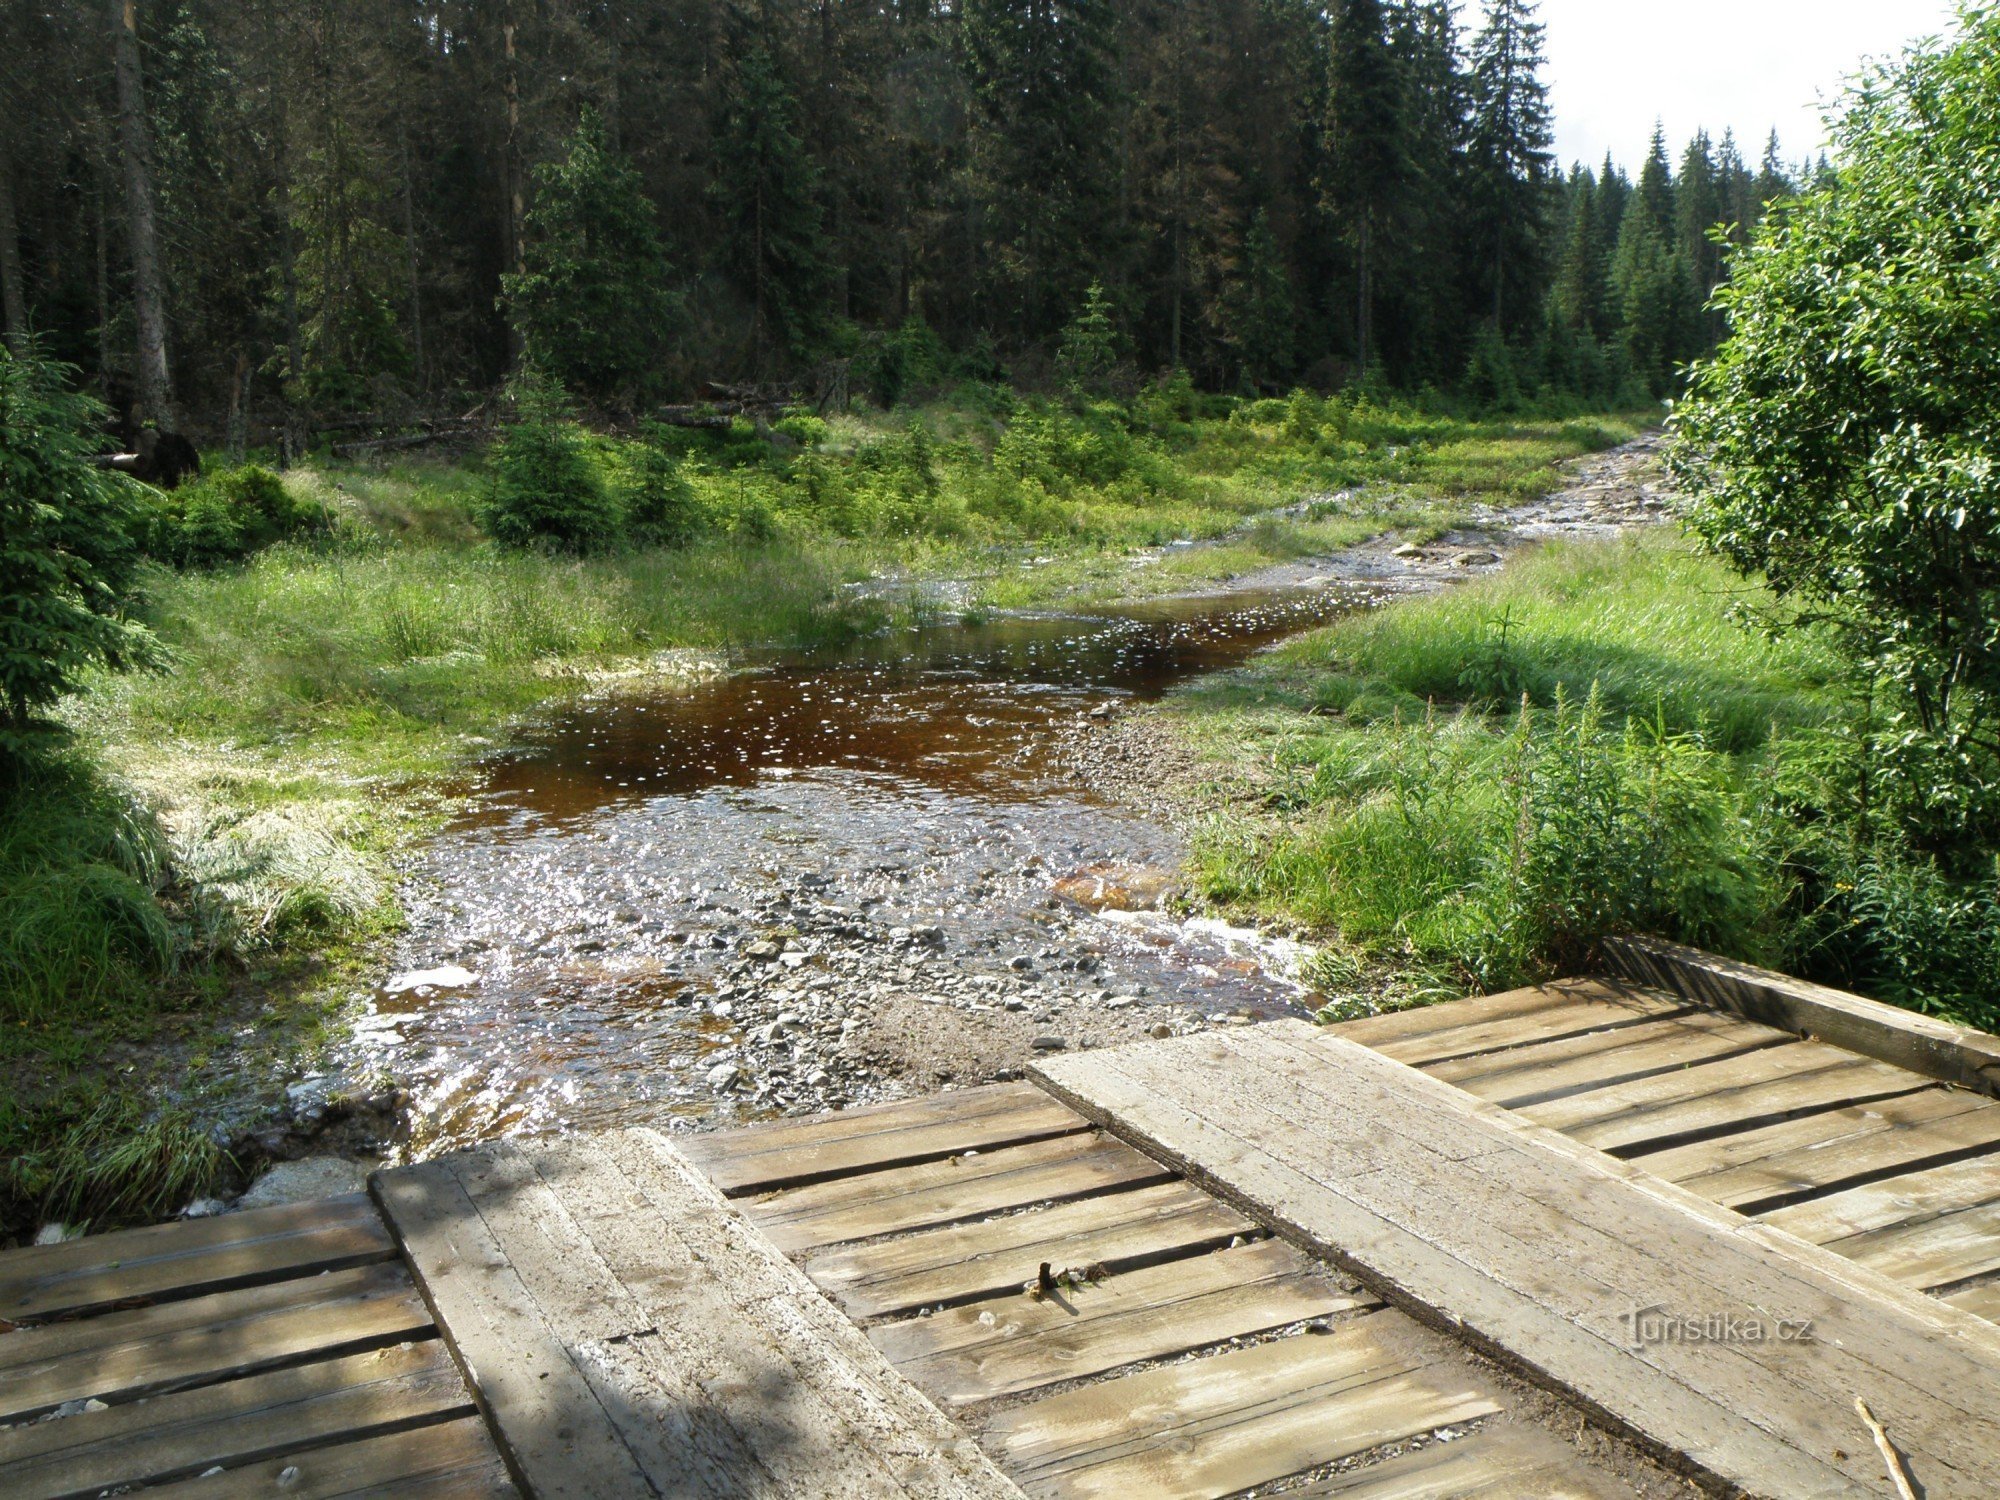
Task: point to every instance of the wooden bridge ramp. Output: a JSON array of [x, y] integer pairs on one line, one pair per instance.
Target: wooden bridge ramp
[[1282, 1242]]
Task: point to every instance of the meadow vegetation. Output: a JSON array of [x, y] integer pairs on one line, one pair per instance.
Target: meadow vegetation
[[334, 642], [1472, 791]]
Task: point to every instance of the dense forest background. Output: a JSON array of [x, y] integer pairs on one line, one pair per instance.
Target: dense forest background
[[345, 206]]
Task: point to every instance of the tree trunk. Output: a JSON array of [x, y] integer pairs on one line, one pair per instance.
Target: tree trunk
[[511, 171], [1364, 317], [155, 389], [13, 303], [410, 252]]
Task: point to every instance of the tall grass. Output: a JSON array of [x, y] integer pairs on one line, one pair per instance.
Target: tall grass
[[1479, 787], [373, 649], [82, 924], [1489, 781], [1645, 621]]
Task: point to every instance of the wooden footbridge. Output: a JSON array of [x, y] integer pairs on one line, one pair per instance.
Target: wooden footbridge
[[1691, 1214]]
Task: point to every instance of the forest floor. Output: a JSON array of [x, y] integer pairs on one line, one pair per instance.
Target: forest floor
[[325, 697]]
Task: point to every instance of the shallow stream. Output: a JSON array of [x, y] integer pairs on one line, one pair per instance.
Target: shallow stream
[[594, 941]]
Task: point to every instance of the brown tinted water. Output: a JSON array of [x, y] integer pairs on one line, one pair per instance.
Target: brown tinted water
[[608, 872]]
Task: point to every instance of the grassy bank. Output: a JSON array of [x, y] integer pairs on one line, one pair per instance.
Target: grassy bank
[[1473, 790], [197, 884]]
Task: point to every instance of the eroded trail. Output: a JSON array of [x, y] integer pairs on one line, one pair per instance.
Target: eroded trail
[[823, 879]]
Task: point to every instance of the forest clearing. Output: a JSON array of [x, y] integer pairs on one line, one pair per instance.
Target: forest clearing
[[876, 734]]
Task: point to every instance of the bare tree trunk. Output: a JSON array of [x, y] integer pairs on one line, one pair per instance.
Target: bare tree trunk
[[238, 386], [1365, 312], [410, 251], [13, 302], [155, 388], [103, 279], [512, 236]]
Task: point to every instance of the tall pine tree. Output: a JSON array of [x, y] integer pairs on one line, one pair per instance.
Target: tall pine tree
[[1364, 147], [1509, 148]]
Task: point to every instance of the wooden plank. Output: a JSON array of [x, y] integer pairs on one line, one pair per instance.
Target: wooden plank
[[961, 1263], [648, 1340], [1542, 1248], [186, 1433], [1221, 1424], [1016, 1343], [1773, 1166], [545, 1415], [1722, 1098], [1457, 1028], [1540, 1071], [1934, 1253], [1923, 1044], [120, 1356], [446, 1461], [1927, 1229], [190, 1258], [947, 1192], [1498, 1463], [1893, 1202], [871, 1409], [763, 1158], [1982, 1301]]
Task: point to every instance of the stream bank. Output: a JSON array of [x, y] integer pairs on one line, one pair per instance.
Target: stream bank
[[891, 867]]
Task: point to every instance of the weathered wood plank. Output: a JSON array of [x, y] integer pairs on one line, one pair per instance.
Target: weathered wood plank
[[1736, 1094], [1543, 1248], [821, 1408], [1936, 1252], [186, 1433], [763, 1158], [651, 1341], [1458, 1028], [1760, 1169], [190, 1258], [447, 1461], [120, 1356], [1923, 1044], [1892, 1202], [1220, 1424], [1926, 1229], [544, 1413], [1982, 1301], [937, 1267], [1012, 1344], [1539, 1071], [1505, 1463], [959, 1187]]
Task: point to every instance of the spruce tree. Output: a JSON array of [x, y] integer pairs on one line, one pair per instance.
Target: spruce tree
[[1420, 313], [1510, 139], [1364, 147], [766, 185], [1580, 295], [592, 301], [1654, 195], [1264, 313], [1043, 85]]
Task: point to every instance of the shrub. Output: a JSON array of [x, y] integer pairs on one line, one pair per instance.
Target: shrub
[[67, 554], [224, 516], [546, 492], [659, 504], [1844, 444]]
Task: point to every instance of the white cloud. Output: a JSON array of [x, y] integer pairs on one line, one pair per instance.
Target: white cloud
[[1745, 65]]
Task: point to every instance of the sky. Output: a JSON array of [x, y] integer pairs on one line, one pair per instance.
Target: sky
[[1746, 65]]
